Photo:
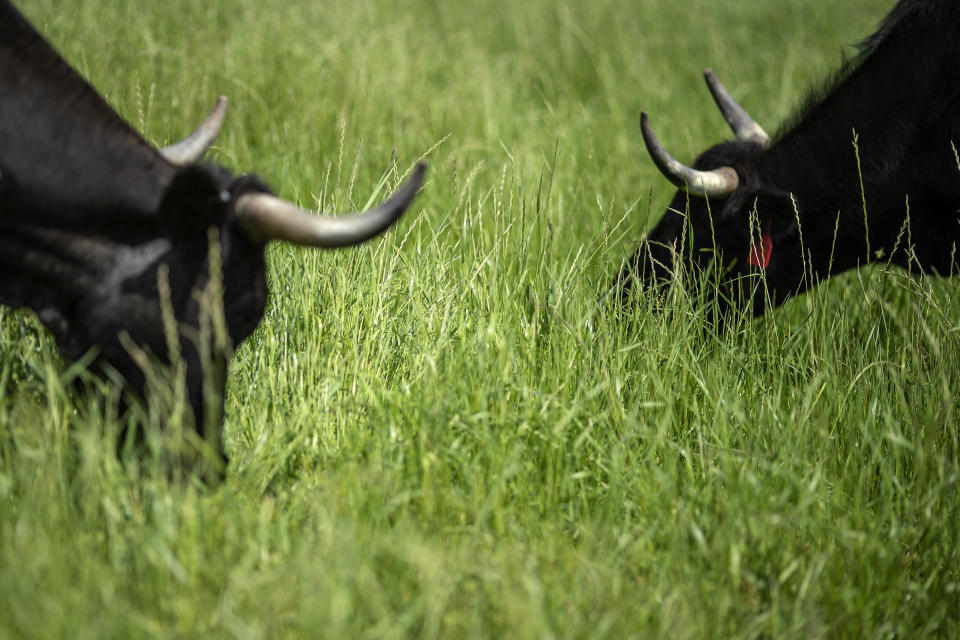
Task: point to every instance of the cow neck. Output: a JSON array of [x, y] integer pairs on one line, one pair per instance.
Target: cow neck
[[875, 100]]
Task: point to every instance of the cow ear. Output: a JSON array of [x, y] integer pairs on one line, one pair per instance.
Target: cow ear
[[776, 210]]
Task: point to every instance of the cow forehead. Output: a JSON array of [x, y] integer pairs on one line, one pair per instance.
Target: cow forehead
[[727, 154]]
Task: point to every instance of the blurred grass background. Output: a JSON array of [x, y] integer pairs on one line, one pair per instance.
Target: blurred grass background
[[442, 433]]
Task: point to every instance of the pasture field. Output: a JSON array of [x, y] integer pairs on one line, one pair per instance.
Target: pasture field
[[448, 433]]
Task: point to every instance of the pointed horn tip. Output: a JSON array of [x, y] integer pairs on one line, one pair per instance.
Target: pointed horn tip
[[713, 83], [411, 187], [265, 217], [717, 182], [220, 108], [409, 190], [649, 137], [195, 145], [711, 79], [742, 123], [221, 105], [420, 171]]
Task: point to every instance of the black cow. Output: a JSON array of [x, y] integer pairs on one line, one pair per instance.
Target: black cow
[[880, 139], [103, 236]]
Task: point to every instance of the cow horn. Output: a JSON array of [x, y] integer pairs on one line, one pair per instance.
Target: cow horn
[[192, 148], [264, 217], [717, 183], [745, 127]]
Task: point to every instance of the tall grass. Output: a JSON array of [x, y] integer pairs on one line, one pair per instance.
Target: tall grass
[[443, 433]]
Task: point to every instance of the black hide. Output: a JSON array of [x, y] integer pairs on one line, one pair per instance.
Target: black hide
[[89, 213], [901, 95]]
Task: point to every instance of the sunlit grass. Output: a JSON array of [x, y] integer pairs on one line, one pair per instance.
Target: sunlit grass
[[449, 432]]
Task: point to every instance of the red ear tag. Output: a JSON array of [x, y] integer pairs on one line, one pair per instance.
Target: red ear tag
[[759, 254]]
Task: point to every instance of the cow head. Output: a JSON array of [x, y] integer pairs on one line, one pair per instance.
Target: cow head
[[197, 261], [181, 281], [728, 223], [130, 254]]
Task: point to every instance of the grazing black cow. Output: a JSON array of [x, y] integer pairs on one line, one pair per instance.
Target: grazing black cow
[[880, 139], [103, 236]]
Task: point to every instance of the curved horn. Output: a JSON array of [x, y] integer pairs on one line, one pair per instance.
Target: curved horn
[[745, 127], [265, 217], [192, 148], [717, 183]]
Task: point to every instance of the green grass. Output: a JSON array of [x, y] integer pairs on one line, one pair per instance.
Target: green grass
[[441, 434]]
